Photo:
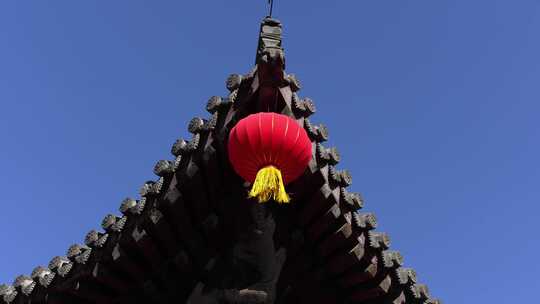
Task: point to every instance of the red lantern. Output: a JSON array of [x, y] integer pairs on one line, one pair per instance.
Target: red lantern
[[269, 150]]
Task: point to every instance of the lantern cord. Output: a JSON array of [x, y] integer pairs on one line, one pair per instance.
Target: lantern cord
[[269, 185]]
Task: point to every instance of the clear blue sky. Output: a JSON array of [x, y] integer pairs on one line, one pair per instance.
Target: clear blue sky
[[434, 106]]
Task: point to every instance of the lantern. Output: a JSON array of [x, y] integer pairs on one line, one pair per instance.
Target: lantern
[[269, 150]]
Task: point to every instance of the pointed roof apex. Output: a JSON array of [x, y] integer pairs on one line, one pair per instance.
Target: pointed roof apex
[[269, 49], [271, 21]]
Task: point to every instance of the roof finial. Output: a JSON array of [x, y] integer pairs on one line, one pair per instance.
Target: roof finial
[[271, 2]]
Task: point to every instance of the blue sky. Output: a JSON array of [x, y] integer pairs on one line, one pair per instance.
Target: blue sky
[[433, 105]]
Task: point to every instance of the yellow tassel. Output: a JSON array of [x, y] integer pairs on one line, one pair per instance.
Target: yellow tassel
[[269, 185]]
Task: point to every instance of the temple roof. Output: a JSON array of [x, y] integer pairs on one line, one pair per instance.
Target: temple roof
[[167, 244]]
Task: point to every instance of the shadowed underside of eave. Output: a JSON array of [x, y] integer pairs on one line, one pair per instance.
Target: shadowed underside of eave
[[188, 237]]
